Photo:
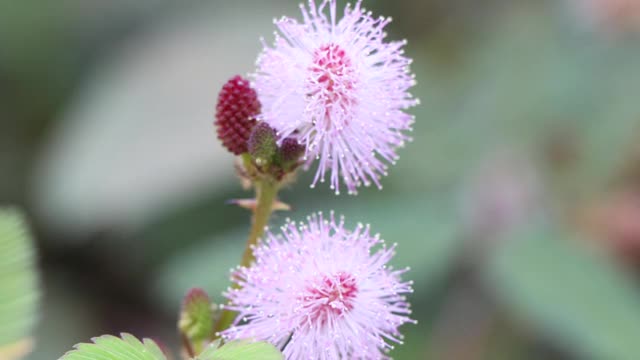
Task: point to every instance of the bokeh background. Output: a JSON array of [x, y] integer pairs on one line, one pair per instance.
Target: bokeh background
[[517, 206]]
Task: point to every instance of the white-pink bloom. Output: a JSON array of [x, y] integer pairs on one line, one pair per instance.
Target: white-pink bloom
[[337, 87], [321, 292]]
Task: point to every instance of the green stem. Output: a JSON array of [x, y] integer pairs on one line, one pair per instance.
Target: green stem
[[266, 192]]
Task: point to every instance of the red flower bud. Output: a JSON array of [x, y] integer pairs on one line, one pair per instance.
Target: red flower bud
[[236, 110]]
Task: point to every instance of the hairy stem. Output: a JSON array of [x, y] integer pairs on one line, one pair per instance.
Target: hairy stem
[[266, 192]]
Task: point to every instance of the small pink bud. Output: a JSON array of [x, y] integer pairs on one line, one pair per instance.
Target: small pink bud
[[196, 317]]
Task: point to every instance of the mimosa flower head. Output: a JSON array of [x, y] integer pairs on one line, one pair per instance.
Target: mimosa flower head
[[321, 291], [338, 88]]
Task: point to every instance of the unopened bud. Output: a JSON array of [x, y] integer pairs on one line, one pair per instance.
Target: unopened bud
[[291, 151], [196, 316], [236, 110], [262, 144]]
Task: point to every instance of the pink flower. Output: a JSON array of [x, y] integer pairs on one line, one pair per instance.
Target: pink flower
[[321, 292], [336, 86]]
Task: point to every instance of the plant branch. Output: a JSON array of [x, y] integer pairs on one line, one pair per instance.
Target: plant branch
[[266, 193]]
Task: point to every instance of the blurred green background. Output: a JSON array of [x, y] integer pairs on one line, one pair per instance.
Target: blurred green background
[[517, 205]]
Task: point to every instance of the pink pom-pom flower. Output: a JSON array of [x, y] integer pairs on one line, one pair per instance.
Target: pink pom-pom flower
[[340, 90], [320, 291]]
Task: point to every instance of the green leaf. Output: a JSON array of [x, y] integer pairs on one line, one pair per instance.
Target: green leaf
[[110, 347], [18, 285], [574, 296], [241, 350]]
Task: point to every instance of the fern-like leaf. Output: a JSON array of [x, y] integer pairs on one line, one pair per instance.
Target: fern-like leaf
[[109, 347], [18, 286], [241, 350]]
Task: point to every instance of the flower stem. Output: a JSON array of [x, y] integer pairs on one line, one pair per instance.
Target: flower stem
[[266, 192], [186, 345]]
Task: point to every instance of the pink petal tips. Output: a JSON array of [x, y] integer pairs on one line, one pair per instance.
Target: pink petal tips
[[340, 90], [320, 291]]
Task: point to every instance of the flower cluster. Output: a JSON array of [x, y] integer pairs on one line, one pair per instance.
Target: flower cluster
[[321, 291], [336, 87], [330, 90]]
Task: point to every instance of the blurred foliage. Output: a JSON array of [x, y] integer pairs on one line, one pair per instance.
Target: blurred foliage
[[570, 294], [18, 286]]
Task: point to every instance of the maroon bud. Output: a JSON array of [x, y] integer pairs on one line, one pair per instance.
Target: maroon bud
[[290, 150], [236, 110]]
